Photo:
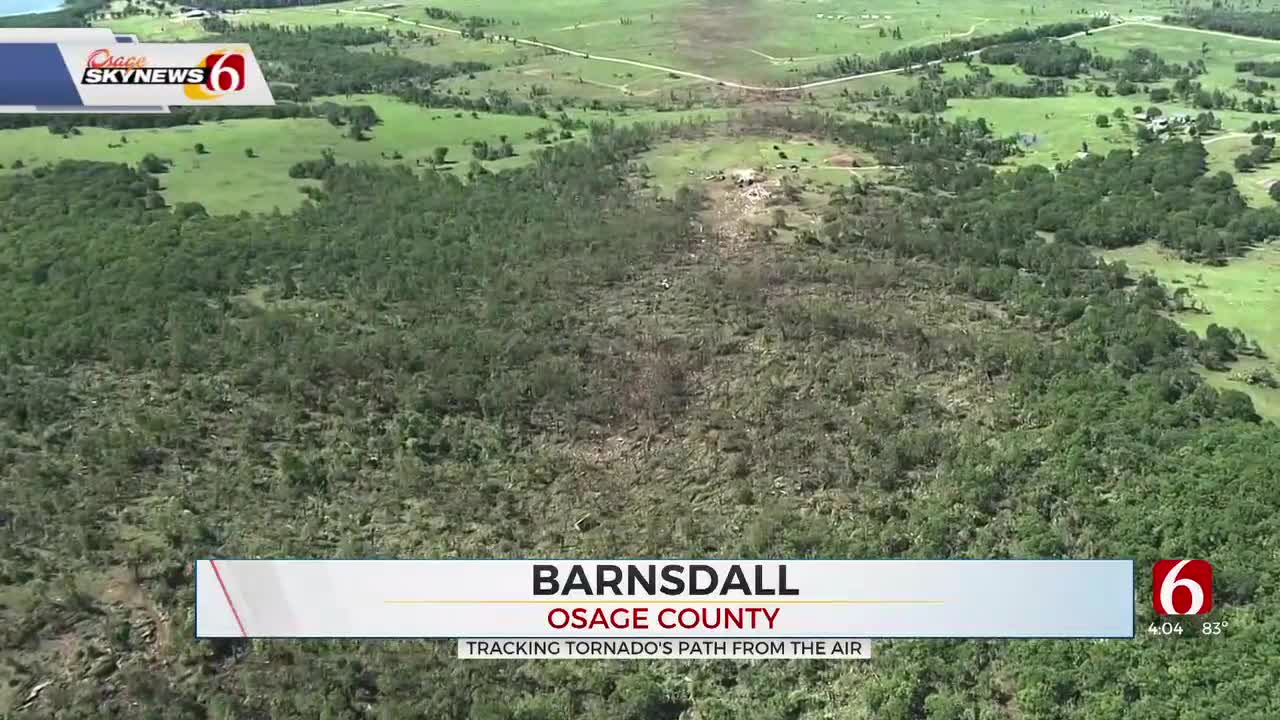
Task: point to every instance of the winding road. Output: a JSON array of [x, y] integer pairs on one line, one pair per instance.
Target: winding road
[[781, 89]]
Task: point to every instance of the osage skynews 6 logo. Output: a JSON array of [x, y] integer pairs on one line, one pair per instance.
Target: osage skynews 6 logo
[[218, 73]]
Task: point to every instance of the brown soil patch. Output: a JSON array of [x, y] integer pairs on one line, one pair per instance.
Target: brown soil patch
[[122, 589]]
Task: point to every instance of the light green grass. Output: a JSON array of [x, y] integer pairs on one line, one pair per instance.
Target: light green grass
[[519, 70], [683, 162], [1245, 293], [1183, 46], [226, 181], [1060, 125], [1253, 184], [763, 41], [164, 25]]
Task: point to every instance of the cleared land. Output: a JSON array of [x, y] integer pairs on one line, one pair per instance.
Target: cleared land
[[684, 162], [1244, 294]]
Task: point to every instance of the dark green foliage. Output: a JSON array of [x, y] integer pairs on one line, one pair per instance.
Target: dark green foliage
[[1046, 58], [934, 89], [308, 62], [441, 369], [1264, 69], [182, 116], [950, 49], [1123, 199], [154, 165], [1237, 21], [894, 139], [1143, 65]]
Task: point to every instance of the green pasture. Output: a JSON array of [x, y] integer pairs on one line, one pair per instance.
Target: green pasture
[[525, 72], [149, 27], [1060, 124], [225, 180], [762, 41], [1253, 184], [1243, 293], [1183, 45]]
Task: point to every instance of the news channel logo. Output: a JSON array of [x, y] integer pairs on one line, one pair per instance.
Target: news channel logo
[[1182, 587], [213, 76]]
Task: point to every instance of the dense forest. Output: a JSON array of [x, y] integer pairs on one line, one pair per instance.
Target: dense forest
[[1257, 23], [555, 360], [413, 366], [1045, 58]]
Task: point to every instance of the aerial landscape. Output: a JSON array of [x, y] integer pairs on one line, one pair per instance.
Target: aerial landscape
[[666, 278]]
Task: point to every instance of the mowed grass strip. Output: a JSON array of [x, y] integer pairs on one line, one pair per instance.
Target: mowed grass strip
[[1244, 293]]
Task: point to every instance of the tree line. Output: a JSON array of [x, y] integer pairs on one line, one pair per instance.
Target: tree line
[[1238, 21], [954, 49]]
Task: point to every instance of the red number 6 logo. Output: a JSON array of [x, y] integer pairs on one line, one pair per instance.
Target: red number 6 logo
[[1174, 580], [226, 72]]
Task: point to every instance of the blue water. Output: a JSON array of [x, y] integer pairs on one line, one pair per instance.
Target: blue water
[[24, 7]]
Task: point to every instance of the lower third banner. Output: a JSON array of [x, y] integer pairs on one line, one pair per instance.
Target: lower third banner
[[661, 649]]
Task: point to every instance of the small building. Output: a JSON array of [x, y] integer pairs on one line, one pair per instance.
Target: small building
[[1159, 124], [194, 14]]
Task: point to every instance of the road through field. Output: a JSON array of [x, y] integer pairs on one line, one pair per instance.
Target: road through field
[[775, 89]]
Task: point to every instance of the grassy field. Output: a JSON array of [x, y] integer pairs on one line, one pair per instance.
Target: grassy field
[[763, 41], [1060, 125], [1244, 294], [1254, 184], [160, 26], [225, 180], [1182, 46]]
